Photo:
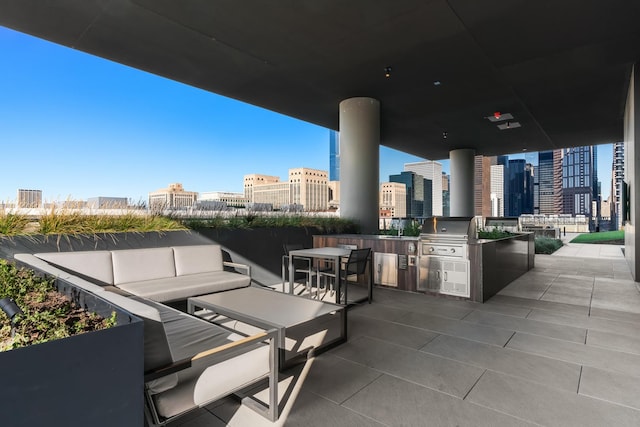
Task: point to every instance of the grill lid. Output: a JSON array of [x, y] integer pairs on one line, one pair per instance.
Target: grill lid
[[460, 227]]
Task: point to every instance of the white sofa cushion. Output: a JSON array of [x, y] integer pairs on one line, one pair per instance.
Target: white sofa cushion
[[92, 264], [197, 259], [133, 265], [182, 287]]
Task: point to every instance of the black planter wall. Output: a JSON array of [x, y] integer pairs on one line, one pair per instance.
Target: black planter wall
[[93, 379]]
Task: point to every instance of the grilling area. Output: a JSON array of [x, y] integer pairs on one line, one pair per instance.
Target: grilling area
[[447, 259]]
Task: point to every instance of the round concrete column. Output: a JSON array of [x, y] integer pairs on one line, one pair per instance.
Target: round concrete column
[[360, 161], [461, 164]]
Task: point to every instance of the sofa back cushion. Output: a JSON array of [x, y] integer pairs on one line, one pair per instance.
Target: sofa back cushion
[[197, 259], [135, 265], [92, 264]]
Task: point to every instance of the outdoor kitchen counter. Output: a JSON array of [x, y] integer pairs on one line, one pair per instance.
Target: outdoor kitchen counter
[[405, 247], [498, 262], [494, 263]]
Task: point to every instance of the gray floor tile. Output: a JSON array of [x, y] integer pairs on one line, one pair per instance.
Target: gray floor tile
[[541, 305], [507, 310], [614, 341], [555, 373], [337, 379], [615, 315], [468, 330], [547, 406], [529, 326], [379, 311], [575, 298], [440, 374], [610, 386], [395, 402], [616, 302], [396, 333], [587, 322], [311, 410], [597, 357], [523, 293], [626, 287]]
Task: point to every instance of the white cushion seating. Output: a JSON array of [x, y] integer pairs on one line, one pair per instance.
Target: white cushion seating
[[188, 362], [160, 274]]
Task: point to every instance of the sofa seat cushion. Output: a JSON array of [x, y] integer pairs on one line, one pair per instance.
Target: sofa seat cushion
[[182, 287]]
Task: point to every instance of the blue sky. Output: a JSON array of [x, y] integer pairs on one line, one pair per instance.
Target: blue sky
[[77, 126]]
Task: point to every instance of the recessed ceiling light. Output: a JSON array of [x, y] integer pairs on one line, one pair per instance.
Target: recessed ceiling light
[[387, 72], [509, 125], [437, 83]]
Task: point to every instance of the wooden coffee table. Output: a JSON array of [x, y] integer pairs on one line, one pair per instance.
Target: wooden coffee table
[[303, 324]]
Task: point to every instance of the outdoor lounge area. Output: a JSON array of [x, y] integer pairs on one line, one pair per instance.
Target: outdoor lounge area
[[558, 347]]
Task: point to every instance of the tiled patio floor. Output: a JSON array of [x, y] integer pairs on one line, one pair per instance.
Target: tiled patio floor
[[560, 346]]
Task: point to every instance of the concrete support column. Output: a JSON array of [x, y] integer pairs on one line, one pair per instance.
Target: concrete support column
[[360, 161], [461, 165], [632, 173]]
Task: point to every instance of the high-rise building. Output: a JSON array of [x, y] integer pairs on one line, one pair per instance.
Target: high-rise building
[[417, 187], [529, 187], [432, 171], [617, 176], [309, 188], [29, 198], [333, 188], [482, 186], [173, 197], [514, 187], [393, 200], [557, 181], [446, 210], [579, 180], [334, 155], [256, 179], [276, 194], [546, 197], [497, 190]]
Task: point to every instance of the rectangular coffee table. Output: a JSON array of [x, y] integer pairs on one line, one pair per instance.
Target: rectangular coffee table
[[303, 324]]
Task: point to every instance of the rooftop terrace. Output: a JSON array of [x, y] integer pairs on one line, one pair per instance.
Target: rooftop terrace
[[560, 346]]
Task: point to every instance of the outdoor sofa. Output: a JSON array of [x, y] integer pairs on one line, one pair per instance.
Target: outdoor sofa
[[160, 274], [188, 362]]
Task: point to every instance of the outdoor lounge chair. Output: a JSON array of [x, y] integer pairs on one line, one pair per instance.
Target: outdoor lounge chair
[[189, 362]]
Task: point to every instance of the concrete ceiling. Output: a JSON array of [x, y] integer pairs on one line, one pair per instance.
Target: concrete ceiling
[[560, 68]]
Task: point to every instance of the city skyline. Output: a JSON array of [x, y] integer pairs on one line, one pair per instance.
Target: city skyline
[[76, 126]]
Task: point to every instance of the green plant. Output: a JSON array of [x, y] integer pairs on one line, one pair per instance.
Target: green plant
[[46, 314], [604, 237], [496, 233], [547, 245], [11, 223]]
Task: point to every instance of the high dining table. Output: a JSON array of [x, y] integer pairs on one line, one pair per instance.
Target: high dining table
[[332, 254]]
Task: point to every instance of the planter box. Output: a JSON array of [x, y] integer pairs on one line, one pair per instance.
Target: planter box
[[92, 379]]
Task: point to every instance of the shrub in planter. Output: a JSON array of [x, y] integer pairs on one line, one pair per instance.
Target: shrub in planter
[[44, 315], [496, 233], [68, 377], [547, 245]]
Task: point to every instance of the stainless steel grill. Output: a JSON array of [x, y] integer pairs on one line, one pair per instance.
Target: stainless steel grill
[[444, 265]]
